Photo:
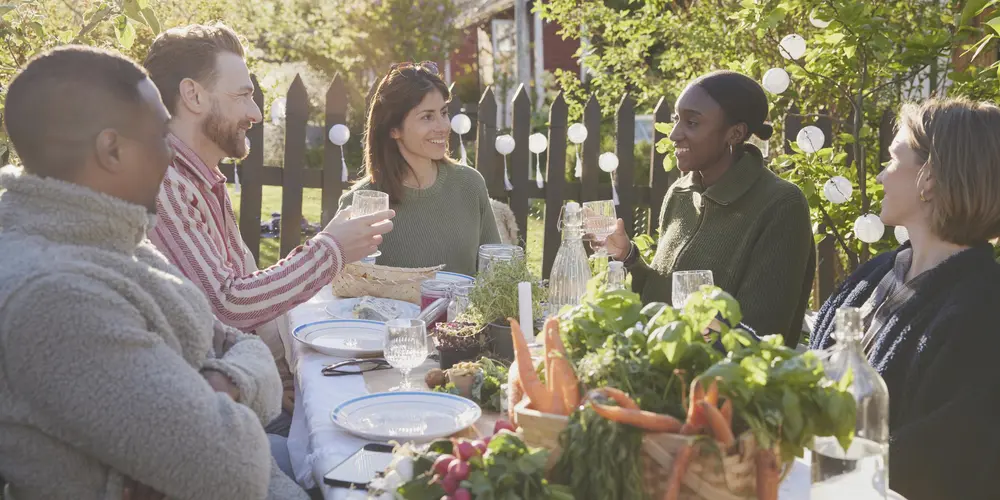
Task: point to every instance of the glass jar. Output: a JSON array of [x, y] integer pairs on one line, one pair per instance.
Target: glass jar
[[430, 291], [490, 253], [459, 300]]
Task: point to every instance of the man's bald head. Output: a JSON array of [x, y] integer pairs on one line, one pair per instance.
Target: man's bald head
[[62, 101]]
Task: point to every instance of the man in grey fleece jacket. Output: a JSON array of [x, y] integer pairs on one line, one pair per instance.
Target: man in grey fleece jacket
[[113, 369]]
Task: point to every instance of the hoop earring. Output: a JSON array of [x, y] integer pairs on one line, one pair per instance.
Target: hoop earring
[[730, 149], [922, 197]]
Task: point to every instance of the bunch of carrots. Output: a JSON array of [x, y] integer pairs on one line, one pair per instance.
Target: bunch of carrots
[[560, 394]]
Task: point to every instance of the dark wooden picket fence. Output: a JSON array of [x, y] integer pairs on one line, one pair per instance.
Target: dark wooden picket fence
[[635, 195]]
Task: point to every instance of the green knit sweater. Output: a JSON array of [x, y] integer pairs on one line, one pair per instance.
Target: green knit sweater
[[442, 224], [752, 230]]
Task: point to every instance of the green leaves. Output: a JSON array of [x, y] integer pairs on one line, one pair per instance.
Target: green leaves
[[124, 32]]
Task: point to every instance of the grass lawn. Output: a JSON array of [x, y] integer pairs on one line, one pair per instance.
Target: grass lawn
[[311, 206]]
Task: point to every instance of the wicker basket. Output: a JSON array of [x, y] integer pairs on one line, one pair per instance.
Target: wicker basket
[[399, 283], [710, 476]]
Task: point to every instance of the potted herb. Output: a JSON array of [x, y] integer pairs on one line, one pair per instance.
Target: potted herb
[[494, 299], [458, 342]]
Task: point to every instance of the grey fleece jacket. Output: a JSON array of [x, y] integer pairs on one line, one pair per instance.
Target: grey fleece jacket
[[101, 346]]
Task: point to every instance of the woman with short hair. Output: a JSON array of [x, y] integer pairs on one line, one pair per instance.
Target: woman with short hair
[[929, 307]]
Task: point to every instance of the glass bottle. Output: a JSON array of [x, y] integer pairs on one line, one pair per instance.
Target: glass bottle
[[616, 276], [862, 471], [571, 269], [459, 300]]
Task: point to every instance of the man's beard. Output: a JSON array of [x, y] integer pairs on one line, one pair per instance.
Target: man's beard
[[225, 136]]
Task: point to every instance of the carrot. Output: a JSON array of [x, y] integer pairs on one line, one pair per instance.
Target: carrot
[[717, 423], [697, 394], [646, 420], [712, 396], [727, 412], [768, 475], [541, 399], [616, 395], [554, 373], [681, 462], [695, 423]]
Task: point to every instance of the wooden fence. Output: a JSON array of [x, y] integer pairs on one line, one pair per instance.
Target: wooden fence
[[634, 194]]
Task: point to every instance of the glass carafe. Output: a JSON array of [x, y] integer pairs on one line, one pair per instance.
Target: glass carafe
[[862, 471], [571, 269]]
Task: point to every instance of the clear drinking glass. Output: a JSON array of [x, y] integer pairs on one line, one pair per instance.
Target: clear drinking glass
[[599, 220], [405, 347], [686, 283], [367, 202]]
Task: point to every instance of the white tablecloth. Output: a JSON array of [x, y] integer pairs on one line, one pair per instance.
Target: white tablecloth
[[317, 445]]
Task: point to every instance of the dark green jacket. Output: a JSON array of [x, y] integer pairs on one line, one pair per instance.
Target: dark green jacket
[[752, 230]]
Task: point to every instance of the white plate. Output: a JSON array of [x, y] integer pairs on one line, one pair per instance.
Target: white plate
[[454, 277], [406, 416], [331, 337], [344, 308]]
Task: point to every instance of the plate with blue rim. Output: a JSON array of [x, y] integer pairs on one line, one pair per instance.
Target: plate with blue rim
[[345, 338], [454, 277], [419, 417]]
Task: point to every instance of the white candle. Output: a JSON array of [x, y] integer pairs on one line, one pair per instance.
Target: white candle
[[524, 310]]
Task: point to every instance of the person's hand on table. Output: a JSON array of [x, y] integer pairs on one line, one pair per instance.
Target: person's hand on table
[[134, 490], [617, 245], [360, 237], [221, 383]]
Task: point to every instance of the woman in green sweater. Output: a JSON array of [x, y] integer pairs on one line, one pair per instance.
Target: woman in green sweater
[[443, 211], [728, 213]]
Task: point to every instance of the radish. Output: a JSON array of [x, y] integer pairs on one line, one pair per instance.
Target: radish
[[503, 424], [480, 447], [450, 484], [462, 494], [442, 463], [458, 470], [464, 450]]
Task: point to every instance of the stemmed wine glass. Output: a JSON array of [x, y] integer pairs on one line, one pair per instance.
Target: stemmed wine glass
[[687, 282], [405, 347], [368, 202], [599, 220]]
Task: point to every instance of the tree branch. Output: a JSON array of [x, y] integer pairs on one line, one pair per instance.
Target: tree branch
[[853, 257], [91, 25], [908, 76]]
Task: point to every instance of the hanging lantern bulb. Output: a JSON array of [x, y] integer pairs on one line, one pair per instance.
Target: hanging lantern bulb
[[792, 47], [816, 19], [609, 163], [837, 190], [278, 109], [810, 139], [538, 143], [869, 228], [901, 234], [576, 134], [775, 81], [339, 134], [504, 145], [461, 124]]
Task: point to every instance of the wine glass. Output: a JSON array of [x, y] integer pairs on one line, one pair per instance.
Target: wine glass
[[368, 202], [405, 347], [599, 220], [686, 283]]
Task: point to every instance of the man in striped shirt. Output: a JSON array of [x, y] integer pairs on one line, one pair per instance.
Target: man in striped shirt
[[203, 78]]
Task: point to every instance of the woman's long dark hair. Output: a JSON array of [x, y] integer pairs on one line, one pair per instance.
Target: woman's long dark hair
[[399, 92]]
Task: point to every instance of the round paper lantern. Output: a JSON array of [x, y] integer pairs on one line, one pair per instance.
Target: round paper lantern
[[837, 190], [869, 228], [810, 139], [816, 20], [461, 124], [577, 133], [608, 162], [537, 143], [278, 108], [504, 144], [792, 47], [339, 134], [902, 235], [775, 80]]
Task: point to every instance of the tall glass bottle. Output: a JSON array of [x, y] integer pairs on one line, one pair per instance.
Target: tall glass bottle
[[616, 275], [862, 471], [571, 269]]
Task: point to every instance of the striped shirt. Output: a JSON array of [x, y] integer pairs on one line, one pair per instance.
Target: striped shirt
[[197, 230]]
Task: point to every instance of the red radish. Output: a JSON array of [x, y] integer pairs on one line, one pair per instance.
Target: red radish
[[458, 470], [464, 450], [480, 447], [450, 484], [503, 424], [487, 439], [442, 463], [462, 494]]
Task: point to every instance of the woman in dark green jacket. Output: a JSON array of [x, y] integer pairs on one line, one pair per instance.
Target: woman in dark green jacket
[[728, 213]]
